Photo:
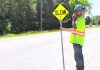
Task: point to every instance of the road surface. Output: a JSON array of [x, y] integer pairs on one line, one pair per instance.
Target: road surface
[[43, 52]]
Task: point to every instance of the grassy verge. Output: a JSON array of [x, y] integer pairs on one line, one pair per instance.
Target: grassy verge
[[27, 33], [40, 32]]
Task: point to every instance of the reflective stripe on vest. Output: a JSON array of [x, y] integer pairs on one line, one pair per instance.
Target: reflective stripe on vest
[[78, 33]]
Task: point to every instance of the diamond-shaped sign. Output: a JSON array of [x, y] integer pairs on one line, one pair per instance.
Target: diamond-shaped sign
[[60, 12]]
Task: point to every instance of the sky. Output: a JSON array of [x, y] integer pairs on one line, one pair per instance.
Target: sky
[[95, 7]]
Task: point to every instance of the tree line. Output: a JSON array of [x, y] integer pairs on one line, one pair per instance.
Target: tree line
[[94, 20], [17, 16]]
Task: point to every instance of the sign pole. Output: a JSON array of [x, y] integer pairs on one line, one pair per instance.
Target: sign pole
[[41, 15], [62, 45]]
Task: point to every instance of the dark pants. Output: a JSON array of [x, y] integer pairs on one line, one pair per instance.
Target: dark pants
[[78, 56]]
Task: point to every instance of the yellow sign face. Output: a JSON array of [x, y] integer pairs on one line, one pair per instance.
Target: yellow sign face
[[60, 12]]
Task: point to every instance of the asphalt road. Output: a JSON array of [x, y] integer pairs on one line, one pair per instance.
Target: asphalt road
[[43, 52]]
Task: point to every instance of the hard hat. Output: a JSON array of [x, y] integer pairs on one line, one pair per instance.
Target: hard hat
[[79, 7]]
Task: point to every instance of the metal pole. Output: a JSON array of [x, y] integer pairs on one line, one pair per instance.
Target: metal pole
[[41, 14], [62, 45]]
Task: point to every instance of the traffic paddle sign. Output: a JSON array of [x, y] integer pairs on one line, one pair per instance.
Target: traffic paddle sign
[[60, 12]]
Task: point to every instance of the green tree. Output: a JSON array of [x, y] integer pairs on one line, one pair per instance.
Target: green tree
[[99, 22], [95, 20], [4, 15], [22, 16], [19, 14], [88, 20]]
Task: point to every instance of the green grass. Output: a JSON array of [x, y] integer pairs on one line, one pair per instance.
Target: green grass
[[27, 33], [38, 32]]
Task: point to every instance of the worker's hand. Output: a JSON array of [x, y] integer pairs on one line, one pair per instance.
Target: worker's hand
[[64, 29], [67, 29]]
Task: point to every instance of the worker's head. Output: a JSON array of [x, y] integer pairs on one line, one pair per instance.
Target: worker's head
[[79, 9]]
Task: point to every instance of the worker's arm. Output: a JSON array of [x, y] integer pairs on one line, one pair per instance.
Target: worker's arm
[[74, 17], [67, 29]]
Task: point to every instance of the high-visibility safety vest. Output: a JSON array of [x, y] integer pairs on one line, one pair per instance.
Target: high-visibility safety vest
[[78, 34]]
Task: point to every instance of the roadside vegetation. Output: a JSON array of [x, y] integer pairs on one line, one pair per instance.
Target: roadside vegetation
[[22, 17]]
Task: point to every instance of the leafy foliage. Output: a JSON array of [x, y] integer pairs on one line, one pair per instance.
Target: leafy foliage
[[17, 16], [96, 20]]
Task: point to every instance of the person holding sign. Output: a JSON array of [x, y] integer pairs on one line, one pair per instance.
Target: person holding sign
[[77, 35]]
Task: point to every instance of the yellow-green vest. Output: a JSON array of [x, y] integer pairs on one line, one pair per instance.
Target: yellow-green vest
[[77, 35]]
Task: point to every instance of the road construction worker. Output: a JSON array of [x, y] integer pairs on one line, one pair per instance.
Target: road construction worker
[[77, 35]]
